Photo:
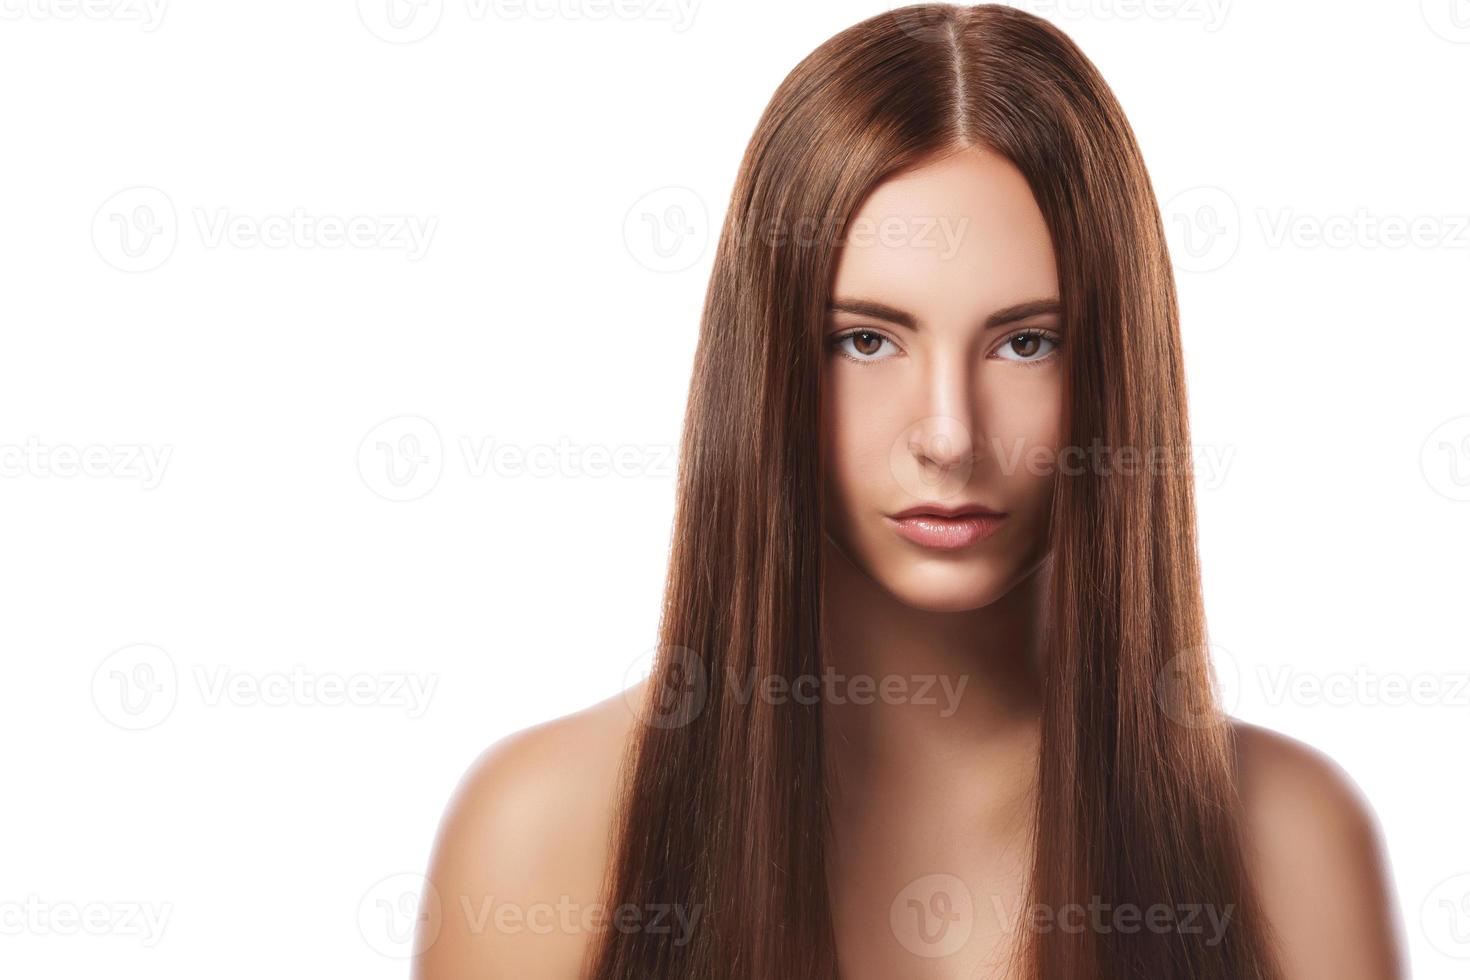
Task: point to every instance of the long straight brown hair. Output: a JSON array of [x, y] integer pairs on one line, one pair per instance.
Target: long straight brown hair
[[724, 809]]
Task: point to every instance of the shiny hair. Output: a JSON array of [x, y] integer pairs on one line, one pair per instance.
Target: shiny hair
[[724, 805]]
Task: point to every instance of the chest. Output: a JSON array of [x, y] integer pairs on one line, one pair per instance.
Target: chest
[[925, 898]]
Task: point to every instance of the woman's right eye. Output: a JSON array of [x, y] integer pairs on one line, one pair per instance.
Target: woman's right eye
[[864, 346]]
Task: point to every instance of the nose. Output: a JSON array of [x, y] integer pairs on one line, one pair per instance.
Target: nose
[[944, 437], [933, 457], [941, 441]]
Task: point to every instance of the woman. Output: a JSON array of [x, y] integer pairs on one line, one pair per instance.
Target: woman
[[932, 696]]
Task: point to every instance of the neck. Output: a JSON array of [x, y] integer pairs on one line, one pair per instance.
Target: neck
[[962, 702]]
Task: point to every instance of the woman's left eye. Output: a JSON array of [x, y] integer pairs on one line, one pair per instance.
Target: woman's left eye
[[1028, 346]]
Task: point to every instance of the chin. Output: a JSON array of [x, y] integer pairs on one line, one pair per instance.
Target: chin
[[946, 582], [944, 586], [953, 581]]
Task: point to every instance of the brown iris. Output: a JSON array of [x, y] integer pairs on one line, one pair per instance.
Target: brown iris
[[1030, 341], [864, 337]]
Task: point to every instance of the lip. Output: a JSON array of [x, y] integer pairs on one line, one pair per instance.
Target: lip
[[946, 528], [940, 510]]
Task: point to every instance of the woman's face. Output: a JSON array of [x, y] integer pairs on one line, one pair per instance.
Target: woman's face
[[943, 383]]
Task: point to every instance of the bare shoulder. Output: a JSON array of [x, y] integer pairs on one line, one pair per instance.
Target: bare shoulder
[[1317, 854], [518, 863]]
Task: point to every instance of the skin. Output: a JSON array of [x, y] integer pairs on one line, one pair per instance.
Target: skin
[[930, 412], [924, 412]]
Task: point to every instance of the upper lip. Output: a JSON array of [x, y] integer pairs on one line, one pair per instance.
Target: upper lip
[[953, 510]]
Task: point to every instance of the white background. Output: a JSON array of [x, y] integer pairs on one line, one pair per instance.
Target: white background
[[202, 535]]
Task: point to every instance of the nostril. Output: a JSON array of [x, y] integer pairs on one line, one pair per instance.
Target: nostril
[[943, 440]]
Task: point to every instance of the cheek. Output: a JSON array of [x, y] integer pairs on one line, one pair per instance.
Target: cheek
[[857, 432], [1022, 418], [1023, 442]]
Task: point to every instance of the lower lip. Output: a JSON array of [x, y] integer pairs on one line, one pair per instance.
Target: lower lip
[[947, 533]]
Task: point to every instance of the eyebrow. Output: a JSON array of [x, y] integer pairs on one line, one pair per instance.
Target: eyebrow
[[882, 311]]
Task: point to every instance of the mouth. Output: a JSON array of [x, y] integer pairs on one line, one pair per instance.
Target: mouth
[[946, 528]]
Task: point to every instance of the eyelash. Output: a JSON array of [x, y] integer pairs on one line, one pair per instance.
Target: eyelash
[[837, 339]]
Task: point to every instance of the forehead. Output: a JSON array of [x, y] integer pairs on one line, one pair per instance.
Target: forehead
[[951, 240]]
